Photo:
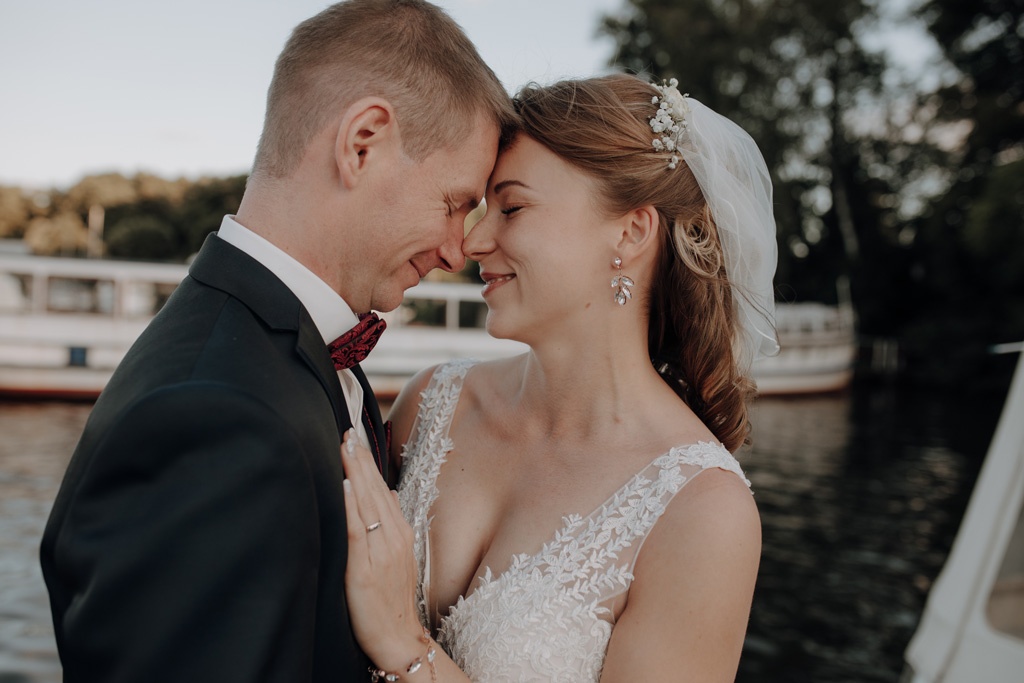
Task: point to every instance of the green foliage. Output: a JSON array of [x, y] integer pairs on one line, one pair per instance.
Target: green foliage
[[205, 204], [143, 236], [994, 237], [914, 194], [994, 232], [106, 190], [14, 212], [145, 217], [970, 253], [789, 72], [62, 234]]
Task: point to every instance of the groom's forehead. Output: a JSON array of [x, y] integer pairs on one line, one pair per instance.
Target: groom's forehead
[[469, 166]]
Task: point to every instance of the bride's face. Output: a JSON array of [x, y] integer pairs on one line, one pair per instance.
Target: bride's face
[[544, 246]]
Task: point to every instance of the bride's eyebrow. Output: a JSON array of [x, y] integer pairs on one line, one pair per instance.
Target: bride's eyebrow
[[505, 184]]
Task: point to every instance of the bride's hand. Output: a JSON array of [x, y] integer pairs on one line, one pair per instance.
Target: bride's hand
[[380, 579]]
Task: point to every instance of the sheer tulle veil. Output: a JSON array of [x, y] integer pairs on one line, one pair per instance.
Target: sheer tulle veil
[[734, 179]]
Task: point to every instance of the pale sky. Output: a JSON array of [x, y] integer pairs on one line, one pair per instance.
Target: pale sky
[[178, 88]]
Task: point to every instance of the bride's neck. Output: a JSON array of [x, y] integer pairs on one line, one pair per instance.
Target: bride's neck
[[572, 384]]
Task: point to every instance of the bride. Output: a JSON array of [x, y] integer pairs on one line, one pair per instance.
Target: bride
[[575, 513]]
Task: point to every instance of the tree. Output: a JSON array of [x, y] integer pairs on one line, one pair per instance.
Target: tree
[[14, 212], [795, 76], [144, 237], [64, 234], [984, 41], [105, 189], [968, 254], [205, 204]]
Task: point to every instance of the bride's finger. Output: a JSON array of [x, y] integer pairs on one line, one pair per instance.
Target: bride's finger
[[353, 520], [378, 506], [367, 464], [358, 485], [362, 489]]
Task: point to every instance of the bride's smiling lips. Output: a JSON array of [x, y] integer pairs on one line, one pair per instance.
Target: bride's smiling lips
[[494, 280]]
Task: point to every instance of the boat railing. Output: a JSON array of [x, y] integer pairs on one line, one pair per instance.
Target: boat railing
[[450, 306], [55, 286]]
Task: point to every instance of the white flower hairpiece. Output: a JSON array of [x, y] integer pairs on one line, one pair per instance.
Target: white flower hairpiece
[[670, 122]]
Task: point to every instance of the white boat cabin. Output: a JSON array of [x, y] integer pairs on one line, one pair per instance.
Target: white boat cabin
[[66, 323]]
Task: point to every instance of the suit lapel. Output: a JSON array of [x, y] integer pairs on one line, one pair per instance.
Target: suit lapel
[[231, 270], [310, 346], [224, 267], [375, 427]]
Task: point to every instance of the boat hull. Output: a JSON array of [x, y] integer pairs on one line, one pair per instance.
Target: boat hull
[[65, 324]]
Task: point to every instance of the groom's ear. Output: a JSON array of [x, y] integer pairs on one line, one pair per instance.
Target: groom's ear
[[367, 133], [639, 234]]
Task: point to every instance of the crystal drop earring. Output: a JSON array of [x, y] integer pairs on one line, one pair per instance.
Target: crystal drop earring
[[621, 284]]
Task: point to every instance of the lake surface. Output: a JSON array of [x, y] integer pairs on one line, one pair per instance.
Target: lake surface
[[860, 496]]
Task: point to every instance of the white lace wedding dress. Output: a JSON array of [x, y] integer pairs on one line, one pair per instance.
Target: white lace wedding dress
[[546, 618]]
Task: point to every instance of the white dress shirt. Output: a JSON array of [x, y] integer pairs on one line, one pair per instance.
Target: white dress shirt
[[331, 315]]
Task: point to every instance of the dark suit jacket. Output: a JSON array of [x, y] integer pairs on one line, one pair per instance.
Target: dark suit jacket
[[199, 533]]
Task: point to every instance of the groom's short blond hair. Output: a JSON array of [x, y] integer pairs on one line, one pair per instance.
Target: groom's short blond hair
[[409, 52]]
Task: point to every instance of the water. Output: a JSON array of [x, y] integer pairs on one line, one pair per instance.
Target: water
[[860, 496], [36, 440]]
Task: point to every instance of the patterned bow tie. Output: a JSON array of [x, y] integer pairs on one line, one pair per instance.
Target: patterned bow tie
[[356, 344]]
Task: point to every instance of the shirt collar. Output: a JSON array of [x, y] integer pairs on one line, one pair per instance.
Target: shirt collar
[[330, 313]]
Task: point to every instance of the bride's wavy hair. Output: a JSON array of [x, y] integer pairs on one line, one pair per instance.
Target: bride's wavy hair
[[601, 126]]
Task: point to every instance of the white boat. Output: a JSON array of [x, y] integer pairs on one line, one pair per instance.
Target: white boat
[[972, 629], [437, 322], [66, 323], [818, 347]]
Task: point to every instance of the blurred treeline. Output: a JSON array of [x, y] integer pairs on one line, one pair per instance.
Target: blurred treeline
[[909, 183], [142, 217]]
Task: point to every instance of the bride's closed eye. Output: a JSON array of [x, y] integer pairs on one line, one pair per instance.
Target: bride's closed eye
[[508, 211]]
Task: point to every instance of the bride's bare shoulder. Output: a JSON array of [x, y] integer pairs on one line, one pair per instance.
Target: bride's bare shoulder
[[714, 516], [493, 378], [694, 581]]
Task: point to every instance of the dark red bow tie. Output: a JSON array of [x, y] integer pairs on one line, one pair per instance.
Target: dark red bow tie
[[356, 344]]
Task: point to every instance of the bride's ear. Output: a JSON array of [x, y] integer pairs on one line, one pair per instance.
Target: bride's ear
[[639, 237]]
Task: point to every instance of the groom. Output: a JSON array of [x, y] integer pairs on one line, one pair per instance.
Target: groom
[[199, 534]]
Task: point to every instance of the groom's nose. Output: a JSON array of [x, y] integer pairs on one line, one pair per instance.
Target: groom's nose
[[480, 240], [450, 253]]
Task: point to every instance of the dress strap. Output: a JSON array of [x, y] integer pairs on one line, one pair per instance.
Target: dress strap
[[596, 554], [422, 457], [437, 407]]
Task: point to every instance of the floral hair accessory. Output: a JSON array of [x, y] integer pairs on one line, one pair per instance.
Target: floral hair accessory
[[670, 123]]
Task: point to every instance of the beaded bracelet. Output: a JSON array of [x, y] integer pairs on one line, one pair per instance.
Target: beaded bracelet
[[415, 665]]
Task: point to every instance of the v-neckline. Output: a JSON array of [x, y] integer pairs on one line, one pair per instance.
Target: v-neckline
[[488, 577], [484, 575]]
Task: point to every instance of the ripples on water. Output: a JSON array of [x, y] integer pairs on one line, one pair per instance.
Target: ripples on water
[[36, 440], [860, 496]]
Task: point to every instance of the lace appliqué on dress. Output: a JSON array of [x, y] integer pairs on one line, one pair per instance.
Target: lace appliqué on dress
[[422, 457], [547, 616]]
